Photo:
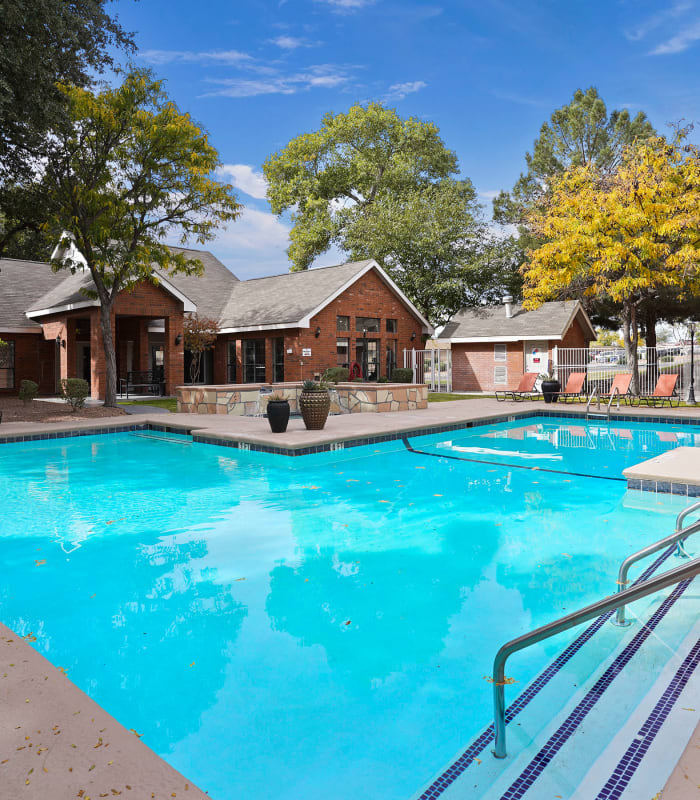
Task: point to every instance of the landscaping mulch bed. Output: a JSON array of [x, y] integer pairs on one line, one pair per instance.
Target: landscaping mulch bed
[[14, 410]]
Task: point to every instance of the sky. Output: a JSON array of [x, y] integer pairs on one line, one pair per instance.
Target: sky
[[257, 73]]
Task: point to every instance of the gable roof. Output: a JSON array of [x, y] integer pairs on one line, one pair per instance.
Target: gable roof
[[489, 323], [21, 282], [291, 299]]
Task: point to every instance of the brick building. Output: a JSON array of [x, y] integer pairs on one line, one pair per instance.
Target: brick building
[[492, 347], [283, 328]]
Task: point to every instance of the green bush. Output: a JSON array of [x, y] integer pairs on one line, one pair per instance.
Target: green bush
[[336, 375], [28, 390], [74, 391], [383, 379], [402, 375]]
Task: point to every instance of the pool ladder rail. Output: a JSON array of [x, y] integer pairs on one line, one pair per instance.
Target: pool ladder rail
[[615, 602], [598, 414]]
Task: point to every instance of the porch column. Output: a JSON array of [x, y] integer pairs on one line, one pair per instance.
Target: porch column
[[98, 368], [174, 356], [143, 363]]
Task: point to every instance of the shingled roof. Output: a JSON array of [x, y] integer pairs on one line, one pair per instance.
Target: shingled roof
[[286, 300], [549, 321], [21, 282]]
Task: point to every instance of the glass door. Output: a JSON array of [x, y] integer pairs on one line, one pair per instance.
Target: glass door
[[253, 361], [278, 359], [367, 355]]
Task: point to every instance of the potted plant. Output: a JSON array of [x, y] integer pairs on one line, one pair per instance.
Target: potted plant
[[550, 386], [278, 413], [315, 403]]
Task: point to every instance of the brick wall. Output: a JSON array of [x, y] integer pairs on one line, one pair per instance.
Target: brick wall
[[34, 361], [367, 297], [473, 366]]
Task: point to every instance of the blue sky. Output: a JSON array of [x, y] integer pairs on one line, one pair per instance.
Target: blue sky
[[256, 73]]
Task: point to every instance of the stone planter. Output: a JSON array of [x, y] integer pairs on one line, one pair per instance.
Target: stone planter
[[314, 409]]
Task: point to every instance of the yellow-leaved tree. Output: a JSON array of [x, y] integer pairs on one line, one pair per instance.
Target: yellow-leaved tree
[[621, 236]]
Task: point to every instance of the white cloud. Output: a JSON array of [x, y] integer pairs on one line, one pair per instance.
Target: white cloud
[[292, 42], [489, 194], [320, 76], [192, 56], [656, 21], [680, 42], [346, 6], [399, 90], [245, 178]]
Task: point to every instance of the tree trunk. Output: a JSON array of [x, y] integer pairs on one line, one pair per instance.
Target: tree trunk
[[110, 354], [650, 319], [630, 334]]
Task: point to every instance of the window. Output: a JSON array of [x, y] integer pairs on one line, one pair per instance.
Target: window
[[500, 375], [370, 324], [499, 352], [278, 359], [342, 348], [253, 361], [392, 326], [342, 323], [231, 361], [391, 347], [7, 365]]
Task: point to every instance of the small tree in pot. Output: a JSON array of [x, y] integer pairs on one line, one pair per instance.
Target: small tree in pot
[[315, 403], [278, 413]]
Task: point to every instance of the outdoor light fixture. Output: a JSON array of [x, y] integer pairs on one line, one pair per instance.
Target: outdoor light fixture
[[178, 339], [318, 332], [691, 390], [413, 335]]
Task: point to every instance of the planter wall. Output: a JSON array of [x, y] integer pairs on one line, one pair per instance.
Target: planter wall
[[346, 398]]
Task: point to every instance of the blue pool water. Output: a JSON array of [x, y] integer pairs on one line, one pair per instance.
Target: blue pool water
[[315, 627]]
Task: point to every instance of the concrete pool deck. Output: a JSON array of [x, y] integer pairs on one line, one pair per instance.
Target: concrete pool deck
[[43, 709]]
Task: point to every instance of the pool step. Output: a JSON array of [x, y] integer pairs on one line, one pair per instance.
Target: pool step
[[584, 720]]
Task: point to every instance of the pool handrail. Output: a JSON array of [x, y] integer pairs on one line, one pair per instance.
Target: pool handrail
[[678, 537], [683, 572]]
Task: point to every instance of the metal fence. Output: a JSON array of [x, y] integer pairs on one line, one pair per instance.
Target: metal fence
[[433, 367], [601, 364]]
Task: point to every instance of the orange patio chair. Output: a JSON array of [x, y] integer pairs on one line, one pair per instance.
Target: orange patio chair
[[574, 388], [621, 382], [525, 391], [664, 392]]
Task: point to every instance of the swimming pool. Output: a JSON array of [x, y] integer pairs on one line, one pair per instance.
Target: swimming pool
[[321, 626]]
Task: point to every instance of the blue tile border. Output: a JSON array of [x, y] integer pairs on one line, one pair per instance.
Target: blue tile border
[[632, 758], [664, 487], [448, 776], [567, 729]]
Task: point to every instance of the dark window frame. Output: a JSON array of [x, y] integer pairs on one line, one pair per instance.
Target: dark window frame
[[8, 354], [339, 326], [395, 327], [361, 324]]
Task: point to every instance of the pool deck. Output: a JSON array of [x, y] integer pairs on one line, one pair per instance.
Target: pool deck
[[56, 742]]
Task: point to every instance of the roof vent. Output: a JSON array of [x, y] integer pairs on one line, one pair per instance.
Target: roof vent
[[508, 303]]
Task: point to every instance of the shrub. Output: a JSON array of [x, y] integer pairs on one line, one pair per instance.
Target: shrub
[[28, 390], [383, 379], [336, 374], [402, 375], [74, 391]]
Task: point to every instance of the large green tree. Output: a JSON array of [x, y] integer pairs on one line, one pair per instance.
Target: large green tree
[[429, 239], [130, 170], [329, 178], [43, 43]]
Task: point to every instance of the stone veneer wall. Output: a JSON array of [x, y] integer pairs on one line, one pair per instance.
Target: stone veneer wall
[[244, 399]]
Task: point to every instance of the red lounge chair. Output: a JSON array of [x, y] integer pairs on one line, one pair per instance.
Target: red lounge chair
[[574, 388], [622, 382], [664, 392], [525, 391]]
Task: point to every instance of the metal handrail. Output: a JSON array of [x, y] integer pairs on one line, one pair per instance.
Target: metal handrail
[[677, 537], [593, 394], [615, 392], [688, 570]]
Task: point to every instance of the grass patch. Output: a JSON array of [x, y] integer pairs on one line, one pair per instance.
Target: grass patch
[[445, 397], [162, 402]]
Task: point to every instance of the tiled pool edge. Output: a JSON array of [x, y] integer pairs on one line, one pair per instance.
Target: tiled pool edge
[[201, 436], [664, 487]]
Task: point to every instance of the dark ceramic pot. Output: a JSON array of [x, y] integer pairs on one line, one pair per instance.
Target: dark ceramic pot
[[314, 408], [278, 415], [549, 391]]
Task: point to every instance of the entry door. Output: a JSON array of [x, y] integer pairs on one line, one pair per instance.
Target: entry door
[[158, 360], [82, 350], [536, 357], [369, 359]]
